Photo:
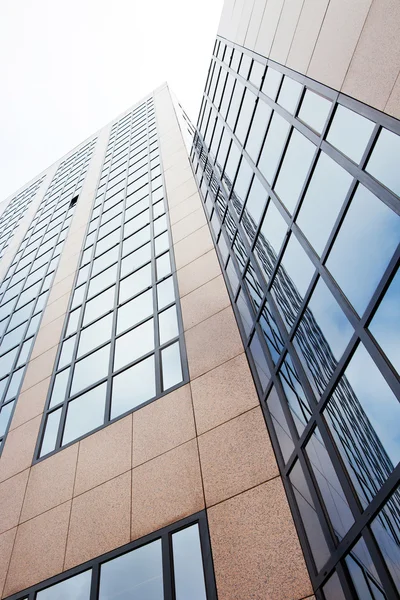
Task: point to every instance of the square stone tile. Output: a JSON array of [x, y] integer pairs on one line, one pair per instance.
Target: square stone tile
[[55, 310], [212, 342], [104, 455], [223, 393], [30, 403], [182, 192], [11, 497], [6, 546], [48, 337], [100, 521], [163, 425], [185, 208], [188, 225], [236, 456], [176, 175], [306, 34], [285, 30], [393, 104], [39, 549], [166, 489], [51, 482], [18, 449], [192, 247], [256, 551], [39, 368], [204, 302], [198, 272]]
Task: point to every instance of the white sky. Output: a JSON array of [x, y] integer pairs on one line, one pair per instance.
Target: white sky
[[68, 67]]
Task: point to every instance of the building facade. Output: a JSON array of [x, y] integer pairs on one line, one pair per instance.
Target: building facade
[[199, 366]]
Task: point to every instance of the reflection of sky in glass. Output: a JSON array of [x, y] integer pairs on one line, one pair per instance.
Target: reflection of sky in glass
[[256, 201], [350, 133], [364, 246], [289, 94], [274, 227], [385, 326], [257, 130], [133, 386], [323, 201], [137, 574], [85, 413], [384, 161], [273, 146], [188, 565], [359, 573], [74, 588], [271, 83], [385, 536], [377, 400], [314, 110], [297, 264]]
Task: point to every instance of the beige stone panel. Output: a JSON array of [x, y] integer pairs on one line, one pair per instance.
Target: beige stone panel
[[39, 368], [176, 176], [225, 19], [236, 19], [39, 549], [181, 193], [236, 456], [185, 208], [74, 239], [223, 394], [198, 272], [51, 483], [285, 30], [269, 23], [67, 267], [204, 302], [192, 247], [188, 225], [176, 158], [306, 34], [166, 489], [254, 24], [255, 547], [104, 455], [247, 9], [100, 521], [170, 143], [163, 425], [212, 343], [11, 497], [6, 546], [18, 449], [30, 403], [48, 337], [337, 41], [55, 310], [393, 104], [376, 60], [62, 287]]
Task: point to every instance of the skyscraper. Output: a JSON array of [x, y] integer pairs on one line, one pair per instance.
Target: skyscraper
[[199, 367]]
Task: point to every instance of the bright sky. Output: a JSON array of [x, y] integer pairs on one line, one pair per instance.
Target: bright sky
[[68, 67]]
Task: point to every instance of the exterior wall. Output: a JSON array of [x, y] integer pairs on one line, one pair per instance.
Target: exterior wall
[[350, 45], [205, 445]]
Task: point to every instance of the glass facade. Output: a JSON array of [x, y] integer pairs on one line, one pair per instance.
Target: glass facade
[[301, 188], [171, 564], [122, 343], [25, 287]]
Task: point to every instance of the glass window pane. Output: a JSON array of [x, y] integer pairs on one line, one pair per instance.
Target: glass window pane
[[135, 311], [163, 264], [85, 413], [350, 133], [385, 326], [73, 321], [135, 260], [95, 335], [73, 588], [294, 393], [270, 239], [384, 161], [105, 260], [258, 129], [273, 146], [133, 386], [364, 246], [384, 527], [272, 82], [50, 432], [161, 243], [314, 110], [254, 208], [90, 369], [280, 425], [136, 574], [99, 305], [5, 414], [136, 240], [135, 283], [59, 388], [103, 280], [171, 366], [246, 112], [188, 564], [323, 200], [134, 344], [168, 323], [292, 175], [289, 94], [242, 182], [165, 292], [67, 351]]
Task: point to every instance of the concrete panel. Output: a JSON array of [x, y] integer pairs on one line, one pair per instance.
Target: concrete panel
[[393, 104], [269, 23], [285, 30], [306, 34], [254, 24]]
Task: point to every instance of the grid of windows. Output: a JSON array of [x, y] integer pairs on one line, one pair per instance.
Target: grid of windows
[[171, 564], [122, 343], [14, 212], [24, 290], [301, 187]]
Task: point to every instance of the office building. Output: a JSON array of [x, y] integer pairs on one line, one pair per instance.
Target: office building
[[199, 364]]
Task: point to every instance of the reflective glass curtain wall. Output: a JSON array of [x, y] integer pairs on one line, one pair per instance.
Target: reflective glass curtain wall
[[301, 188], [25, 288], [122, 343]]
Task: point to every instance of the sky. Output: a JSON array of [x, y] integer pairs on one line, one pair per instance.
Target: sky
[[67, 68]]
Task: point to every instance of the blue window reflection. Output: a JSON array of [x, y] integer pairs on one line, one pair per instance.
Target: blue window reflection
[[270, 239], [188, 565], [350, 133], [74, 588], [386, 529], [384, 161], [385, 326], [137, 574], [364, 246]]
